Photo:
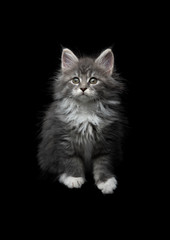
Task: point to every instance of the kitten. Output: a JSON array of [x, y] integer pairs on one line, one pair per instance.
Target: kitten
[[82, 128]]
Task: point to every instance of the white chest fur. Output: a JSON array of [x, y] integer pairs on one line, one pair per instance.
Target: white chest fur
[[82, 118], [85, 122]]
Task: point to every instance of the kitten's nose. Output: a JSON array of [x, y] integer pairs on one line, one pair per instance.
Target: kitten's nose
[[83, 89]]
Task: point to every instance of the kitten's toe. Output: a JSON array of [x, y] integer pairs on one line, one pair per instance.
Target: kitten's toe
[[108, 186], [71, 182]]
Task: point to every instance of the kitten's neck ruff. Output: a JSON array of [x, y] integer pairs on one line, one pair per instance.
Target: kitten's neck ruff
[[94, 111], [73, 111]]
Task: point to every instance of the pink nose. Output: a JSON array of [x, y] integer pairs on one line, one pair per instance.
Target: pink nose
[[83, 89]]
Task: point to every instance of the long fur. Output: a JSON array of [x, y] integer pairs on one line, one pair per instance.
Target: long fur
[[79, 136]]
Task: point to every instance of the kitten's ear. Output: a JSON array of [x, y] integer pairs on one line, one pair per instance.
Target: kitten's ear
[[68, 59], [106, 60]]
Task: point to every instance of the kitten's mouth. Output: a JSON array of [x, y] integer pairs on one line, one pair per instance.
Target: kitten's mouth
[[83, 94], [83, 97]]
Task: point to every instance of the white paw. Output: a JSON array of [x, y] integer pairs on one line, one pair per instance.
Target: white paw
[[71, 182], [109, 186]]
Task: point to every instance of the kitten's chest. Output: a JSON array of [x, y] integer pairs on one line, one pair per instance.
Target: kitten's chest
[[86, 126], [85, 132], [83, 121]]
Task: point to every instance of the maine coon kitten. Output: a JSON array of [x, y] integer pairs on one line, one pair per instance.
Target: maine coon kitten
[[82, 128]]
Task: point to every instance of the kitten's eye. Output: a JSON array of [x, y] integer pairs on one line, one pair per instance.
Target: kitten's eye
[[76, 80], [93, 80]]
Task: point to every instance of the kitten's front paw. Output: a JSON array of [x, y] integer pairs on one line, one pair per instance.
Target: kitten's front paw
[[71, 182], [108, 186]]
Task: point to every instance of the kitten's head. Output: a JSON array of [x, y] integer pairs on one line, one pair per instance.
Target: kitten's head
[[85, 79]]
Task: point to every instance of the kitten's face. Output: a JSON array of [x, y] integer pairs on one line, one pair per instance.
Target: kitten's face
[[85, 83], [85, 79], [84, 86]]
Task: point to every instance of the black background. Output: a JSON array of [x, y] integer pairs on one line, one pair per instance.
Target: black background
[[38, 37]]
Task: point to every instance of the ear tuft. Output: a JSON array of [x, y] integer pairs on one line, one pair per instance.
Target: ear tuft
[[68, 59], [106, 60]]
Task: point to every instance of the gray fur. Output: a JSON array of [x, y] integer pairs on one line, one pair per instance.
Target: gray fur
[[83, 132]]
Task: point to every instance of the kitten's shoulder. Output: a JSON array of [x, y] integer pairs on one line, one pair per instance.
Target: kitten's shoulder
[[51, 117]]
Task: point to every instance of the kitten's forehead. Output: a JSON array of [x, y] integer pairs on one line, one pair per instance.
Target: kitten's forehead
[[86, 66]]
